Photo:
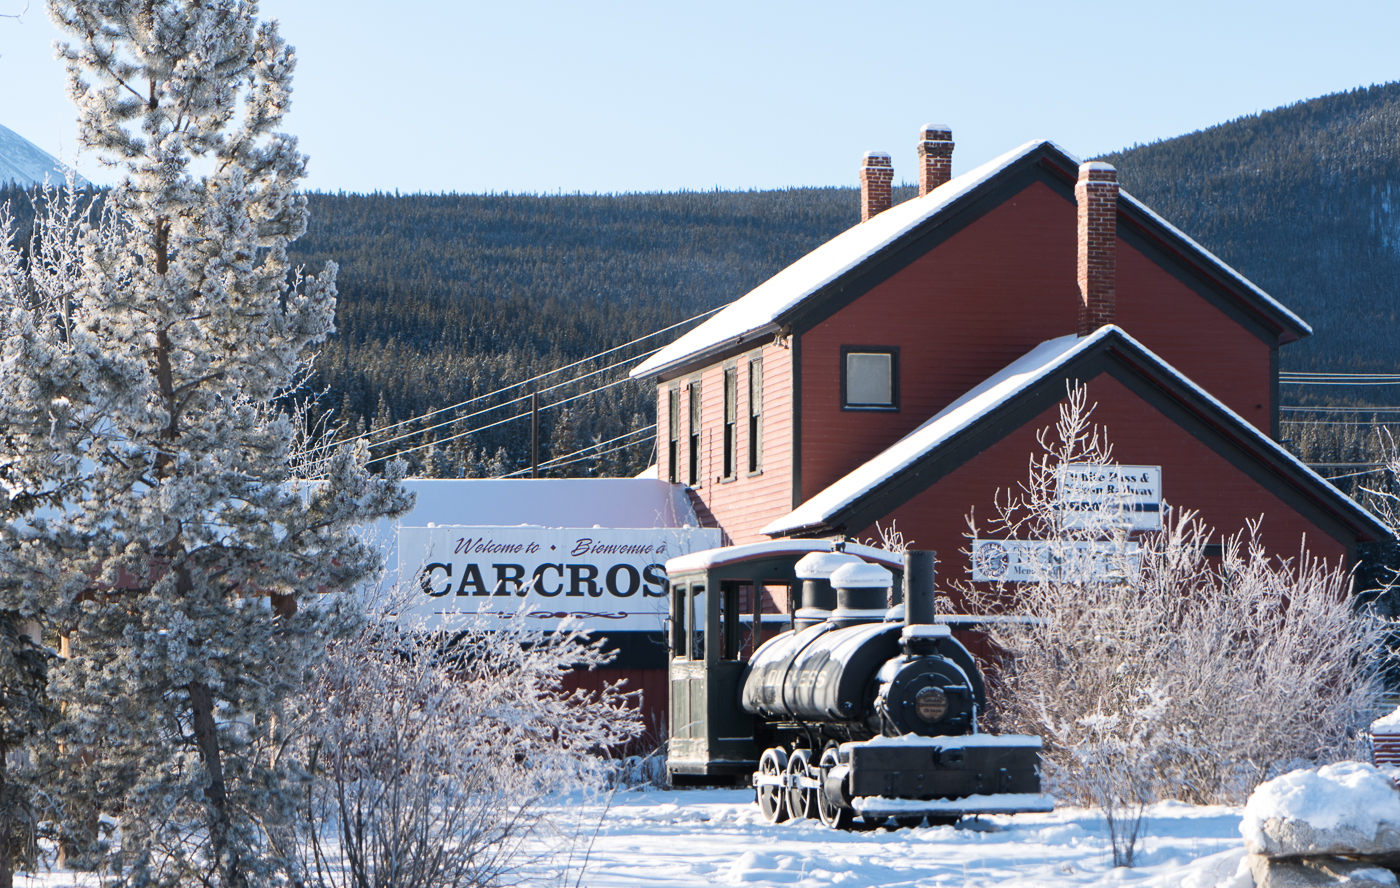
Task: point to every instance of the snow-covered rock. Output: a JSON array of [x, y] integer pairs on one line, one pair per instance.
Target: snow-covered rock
[[1388, 724], [1350, 809], [1317, 873]]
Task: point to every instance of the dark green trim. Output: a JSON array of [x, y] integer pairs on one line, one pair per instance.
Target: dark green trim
[[1274, 430], [1231, 302], [1245, 304]]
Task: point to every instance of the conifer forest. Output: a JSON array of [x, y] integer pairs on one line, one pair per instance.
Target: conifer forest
[[452, 298]]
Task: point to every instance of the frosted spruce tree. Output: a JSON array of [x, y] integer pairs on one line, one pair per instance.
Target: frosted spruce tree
[[146, 460]]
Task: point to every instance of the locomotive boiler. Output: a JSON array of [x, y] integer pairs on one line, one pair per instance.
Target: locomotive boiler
[[854, 700]]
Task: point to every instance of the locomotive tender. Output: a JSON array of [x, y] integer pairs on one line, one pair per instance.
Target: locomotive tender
[[853, 703]]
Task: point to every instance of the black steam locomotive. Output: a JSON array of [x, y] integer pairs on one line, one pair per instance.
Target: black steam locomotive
[[851, 701]]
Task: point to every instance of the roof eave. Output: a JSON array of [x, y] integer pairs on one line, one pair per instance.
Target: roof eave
[[707, 355]]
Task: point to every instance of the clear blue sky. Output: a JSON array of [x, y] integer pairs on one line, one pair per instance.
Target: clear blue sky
[[600, 96]]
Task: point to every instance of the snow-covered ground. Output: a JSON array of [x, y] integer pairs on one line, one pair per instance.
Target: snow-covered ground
[[679, 839], [717, 837]]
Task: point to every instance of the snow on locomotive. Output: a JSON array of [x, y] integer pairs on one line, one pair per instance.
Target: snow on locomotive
[[856, 702]]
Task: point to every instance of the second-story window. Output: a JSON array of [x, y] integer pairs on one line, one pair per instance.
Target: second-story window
[[869, 377], [731, 415], [673, 434], [755, 414], [694, 478]]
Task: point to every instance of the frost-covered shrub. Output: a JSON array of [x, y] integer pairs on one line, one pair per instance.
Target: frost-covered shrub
[[434, 755], [1166, 676]]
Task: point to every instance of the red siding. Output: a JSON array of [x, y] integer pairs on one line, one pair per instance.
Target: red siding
[[1195, 337], [746, 503], [1193, 476], [653, 685], [983, 298]]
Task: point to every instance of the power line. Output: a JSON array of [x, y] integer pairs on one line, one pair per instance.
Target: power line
[[489, 409], [494, 424], [589, 452], [1346, 465], [1341, 422], [1301, 378], [1301, 409], [546, 373]]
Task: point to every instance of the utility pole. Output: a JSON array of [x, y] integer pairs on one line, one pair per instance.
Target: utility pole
[[534, 434]]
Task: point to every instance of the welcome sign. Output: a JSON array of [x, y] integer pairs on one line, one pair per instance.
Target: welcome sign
[[609, 578]]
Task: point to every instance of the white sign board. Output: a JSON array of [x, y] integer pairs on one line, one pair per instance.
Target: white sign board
[[1095, 495], [1028, 561], [610, 579]]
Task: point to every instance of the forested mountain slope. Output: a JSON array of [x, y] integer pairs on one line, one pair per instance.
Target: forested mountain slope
[[449, 297], [1305, 201]]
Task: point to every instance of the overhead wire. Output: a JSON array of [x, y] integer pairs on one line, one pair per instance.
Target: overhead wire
[[540, 376], [586, 453], [492, 425], [485, 410]]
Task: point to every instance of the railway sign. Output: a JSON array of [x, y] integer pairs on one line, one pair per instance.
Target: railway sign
[[1089, 495], [1029, 561]]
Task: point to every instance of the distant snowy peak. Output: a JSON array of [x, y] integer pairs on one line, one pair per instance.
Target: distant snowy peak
[[24, 163]]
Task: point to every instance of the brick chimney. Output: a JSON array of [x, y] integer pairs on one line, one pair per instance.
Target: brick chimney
[[935, 157], [876, 180], [1096, 192]]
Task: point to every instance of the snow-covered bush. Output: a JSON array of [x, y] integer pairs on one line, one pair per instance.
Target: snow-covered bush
[[433, 754], [1160, 675]]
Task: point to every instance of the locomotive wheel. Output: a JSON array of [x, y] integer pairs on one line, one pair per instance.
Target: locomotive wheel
[[909, 822], [772, 799], [832, 814], [801, 802]]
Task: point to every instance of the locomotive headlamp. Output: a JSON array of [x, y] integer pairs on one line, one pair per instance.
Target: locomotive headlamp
[[931, 704]]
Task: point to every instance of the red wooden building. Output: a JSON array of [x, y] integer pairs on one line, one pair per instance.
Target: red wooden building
[[900, 371]]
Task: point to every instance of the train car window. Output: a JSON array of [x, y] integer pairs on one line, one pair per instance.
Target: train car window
[[731, 616], [774, 604], [680, 646], [695, 620]]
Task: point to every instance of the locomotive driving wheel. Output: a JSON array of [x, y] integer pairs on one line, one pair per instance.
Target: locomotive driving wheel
[[801, 800], [831, 813], [772, 799]]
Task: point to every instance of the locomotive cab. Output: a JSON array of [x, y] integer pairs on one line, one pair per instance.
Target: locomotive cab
[[725, 604]]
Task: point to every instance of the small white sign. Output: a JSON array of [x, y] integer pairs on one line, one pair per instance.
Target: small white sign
[[610, 579], [1091, 495], [1029, 561]]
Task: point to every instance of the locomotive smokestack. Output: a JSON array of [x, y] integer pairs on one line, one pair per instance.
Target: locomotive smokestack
[[921, 633], [919, 587]]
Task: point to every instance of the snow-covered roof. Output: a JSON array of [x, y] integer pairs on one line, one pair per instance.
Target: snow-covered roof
[[758, 314], [1036, 365], [712, 558], [550, 502], [754, 315]]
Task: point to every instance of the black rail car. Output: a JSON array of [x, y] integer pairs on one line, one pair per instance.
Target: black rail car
[[822, 676]]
